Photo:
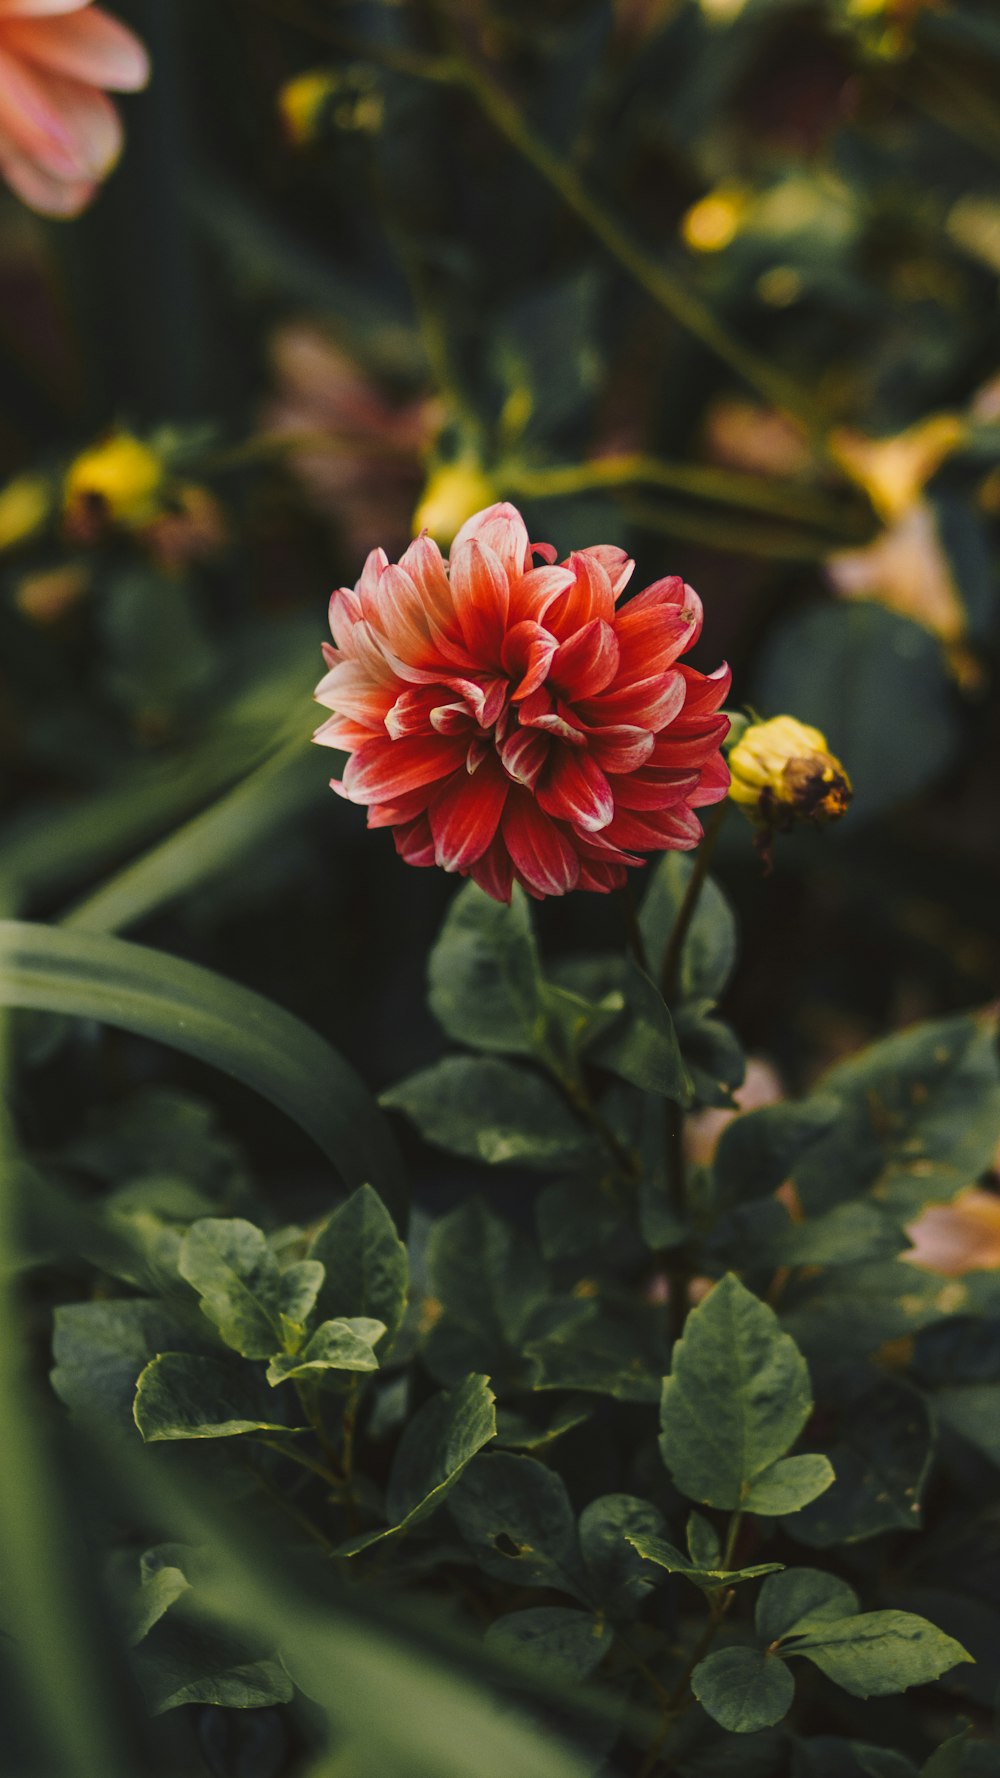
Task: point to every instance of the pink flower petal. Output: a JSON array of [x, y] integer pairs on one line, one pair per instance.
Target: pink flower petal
[[501, 529], [465, 815], [543, 857], [574, 789], [87, 46], [381, 770], [481, 593]]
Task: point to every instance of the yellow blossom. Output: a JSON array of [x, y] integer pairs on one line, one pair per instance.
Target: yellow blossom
[[302, 102], [453, 492], [783, 772], [25, 504], [119, 479], [894, 471]]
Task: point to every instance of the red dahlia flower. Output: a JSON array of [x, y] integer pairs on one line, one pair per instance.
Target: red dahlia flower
[[514, 723]]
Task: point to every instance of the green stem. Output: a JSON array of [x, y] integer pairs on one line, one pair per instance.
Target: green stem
[[704, 481], [665, 287], [302, 1458], [689, 905], [637, 944]]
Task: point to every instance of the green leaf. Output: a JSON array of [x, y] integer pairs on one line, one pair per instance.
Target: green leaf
[[335, 1346], [713, 1055], [878, 1652], [789, 1484], [257, 1309], [160, 1586], [487, 1110], [177, 1003], [193, 1662], [918, 1119], [703, 1541], [365, 1263], [710, 947], [566, 1644], [801, 1596], [484, 974], [737, 1397], [743, 1689], [438, 1445], [602, 1348], [183, 1396], [851, 1233], [664, 1555], [973, 1411], [489, 1279], [881, 1455], [515, 1516], [101, 1347], [758, 1150], [619, 1578], [948, 1760], [642, 1045], [535, 1431]]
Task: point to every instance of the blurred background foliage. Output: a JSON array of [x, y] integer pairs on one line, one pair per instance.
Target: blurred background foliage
[[714, 279]]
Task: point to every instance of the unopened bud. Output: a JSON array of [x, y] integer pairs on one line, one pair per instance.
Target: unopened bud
[[783, 772]]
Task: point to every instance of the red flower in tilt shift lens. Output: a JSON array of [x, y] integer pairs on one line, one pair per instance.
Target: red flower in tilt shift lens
[[514, 723]]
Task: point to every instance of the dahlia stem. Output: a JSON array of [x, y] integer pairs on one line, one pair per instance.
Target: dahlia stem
[[729, 487], [637, 944], [666, 288], [689, 903]]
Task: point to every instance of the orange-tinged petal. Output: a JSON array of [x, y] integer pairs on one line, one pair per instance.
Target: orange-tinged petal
[[573, 788], [465, 814], [87, 46], [383, 769], [542, 855]]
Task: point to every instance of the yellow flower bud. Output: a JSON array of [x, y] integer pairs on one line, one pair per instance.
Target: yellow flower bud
[[25, 504], [454, 491], [117, 481], [715, 220], [783, 772], [302, 102]]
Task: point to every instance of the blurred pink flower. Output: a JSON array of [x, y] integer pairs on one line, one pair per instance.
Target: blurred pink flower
[[960, 1237], [762, 1085], [59, 132], [359, 456]]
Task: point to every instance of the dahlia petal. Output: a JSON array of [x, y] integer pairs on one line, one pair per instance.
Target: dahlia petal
[[705, 691], [676, 830], [41, 191], [424, 564], [14, 9], [413, 712], [647, 703], [451, 719], [574, 789], [345, 612], [402, 809], [620, 747], [481, 594], [89, 47], [586, 663], [503, 531], [524, 754], [465, 815], [675, 748], [352, 692], [713, 783], [376, 563], [590, 596], [543, 857], [602, 878], [345, 736], [617, 564], [527, 651], [415, 842], [535, 591], [381, 770], [494, 872], [647, 789], [547, 551], [32, 120], [652, 635]]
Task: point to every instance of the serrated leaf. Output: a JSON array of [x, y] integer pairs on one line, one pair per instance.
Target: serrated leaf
[[345, 1345], [564, 1643], [438, 1445], [743, 1689], [183, 1396], [664, 1555], [255, 1307], [515, 1516], [488, 1110], [365, 1265], [737, 1397]]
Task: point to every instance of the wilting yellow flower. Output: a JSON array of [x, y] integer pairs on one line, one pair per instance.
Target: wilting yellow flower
[[117, 481], [454, 491], [783, 772], [303, 101], [25, 504], [894, 471], [715, 220]]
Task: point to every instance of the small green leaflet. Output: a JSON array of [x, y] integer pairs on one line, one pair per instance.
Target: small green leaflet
[[438, 1444], [181, 1395], [335, 1346], [743, 1689], [664, 1555], [257, 1309]]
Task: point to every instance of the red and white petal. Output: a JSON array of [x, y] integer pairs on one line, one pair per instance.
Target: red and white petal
[[494, 872], [524, 755], [480, 591], [589, 597], [465, 814], [617, 564], [620, 747], [713, 783], [532, 595], [645, 703], [42, 191], [544, 859], [415, 842], [382, 770], [351, 691], [502, 530], [526, 655], [574, 789], [650, 789], [676, 830], [587, 662]]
